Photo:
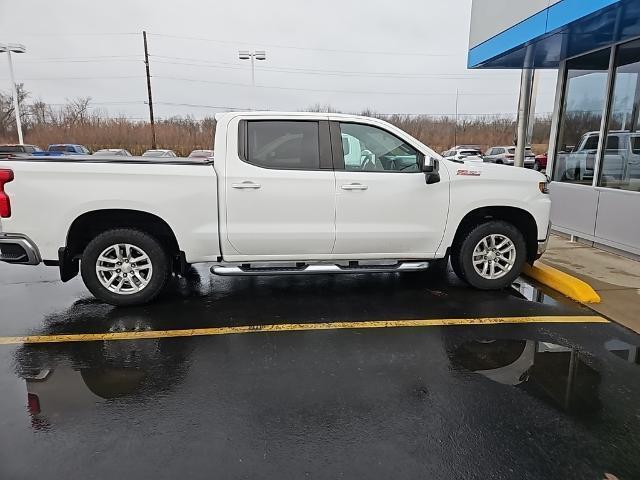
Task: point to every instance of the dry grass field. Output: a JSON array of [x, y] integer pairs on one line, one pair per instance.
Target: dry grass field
[[77, 122]]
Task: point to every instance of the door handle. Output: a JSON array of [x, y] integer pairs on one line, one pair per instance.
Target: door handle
[[354, 186], [246, 184]]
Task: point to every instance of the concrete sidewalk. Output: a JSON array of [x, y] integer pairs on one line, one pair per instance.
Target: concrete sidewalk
[[615, 278]]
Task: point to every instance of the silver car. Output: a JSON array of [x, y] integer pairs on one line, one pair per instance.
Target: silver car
[[506, 154]]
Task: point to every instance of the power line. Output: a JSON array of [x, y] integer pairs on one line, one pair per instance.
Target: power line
[[114, 77], [195, 105], [339, 73], [77, 34], [102, 60], [275, 87], [328, 50]]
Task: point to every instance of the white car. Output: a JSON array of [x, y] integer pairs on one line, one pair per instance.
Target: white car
[[287, 194], [464, 155], [201, 154], [106, 152], [160, 153]]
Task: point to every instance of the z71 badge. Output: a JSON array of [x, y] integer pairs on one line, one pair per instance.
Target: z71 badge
[[469, 173]]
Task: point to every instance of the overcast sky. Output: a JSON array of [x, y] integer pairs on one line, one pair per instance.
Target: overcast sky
[[405, 56]]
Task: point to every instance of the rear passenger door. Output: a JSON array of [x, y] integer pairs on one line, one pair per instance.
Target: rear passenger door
[[279, 186]]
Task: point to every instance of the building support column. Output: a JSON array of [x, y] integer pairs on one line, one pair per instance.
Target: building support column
[[524, 112]]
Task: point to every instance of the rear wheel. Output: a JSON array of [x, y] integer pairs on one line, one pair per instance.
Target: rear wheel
[[125, 267], [491, 255]]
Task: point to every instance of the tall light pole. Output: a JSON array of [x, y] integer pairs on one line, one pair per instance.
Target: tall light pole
[[14, 48], [257, 55]]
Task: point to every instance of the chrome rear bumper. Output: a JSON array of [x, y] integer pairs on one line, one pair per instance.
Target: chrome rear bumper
[[16, 248]]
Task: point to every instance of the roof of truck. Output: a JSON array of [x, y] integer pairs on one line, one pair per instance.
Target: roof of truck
[[221, 115]]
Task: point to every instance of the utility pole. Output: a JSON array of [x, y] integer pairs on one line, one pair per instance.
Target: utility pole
[[146, 64], [455, 128], [14, 48]]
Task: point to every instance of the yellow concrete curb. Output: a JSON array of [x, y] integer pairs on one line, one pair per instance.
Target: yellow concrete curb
[[564, 283]]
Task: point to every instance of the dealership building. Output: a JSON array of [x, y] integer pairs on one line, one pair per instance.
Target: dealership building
[[594, 146]]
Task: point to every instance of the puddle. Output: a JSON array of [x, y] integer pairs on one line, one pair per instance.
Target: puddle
[[66, 380], [529, 292], [558, 375]]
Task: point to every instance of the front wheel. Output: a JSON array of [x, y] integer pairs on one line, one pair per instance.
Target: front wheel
[[125, 267], [491, 256]]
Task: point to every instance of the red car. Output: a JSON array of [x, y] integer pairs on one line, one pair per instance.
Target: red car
[[540, 162]]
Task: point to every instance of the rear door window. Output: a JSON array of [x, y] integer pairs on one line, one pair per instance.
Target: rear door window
[[289, 145]]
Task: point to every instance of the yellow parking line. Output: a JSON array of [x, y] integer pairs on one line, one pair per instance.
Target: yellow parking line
[[293, 327]]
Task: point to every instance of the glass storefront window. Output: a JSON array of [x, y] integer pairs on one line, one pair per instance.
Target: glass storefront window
[[621, 161], [581, 116]]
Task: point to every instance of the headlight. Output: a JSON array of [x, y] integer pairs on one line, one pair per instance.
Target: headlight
[[544, 187]]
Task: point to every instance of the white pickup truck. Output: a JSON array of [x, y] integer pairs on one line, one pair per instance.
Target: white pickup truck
[[286, 194]]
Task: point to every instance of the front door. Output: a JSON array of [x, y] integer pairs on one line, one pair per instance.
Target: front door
[[384, 208], [279, 188]]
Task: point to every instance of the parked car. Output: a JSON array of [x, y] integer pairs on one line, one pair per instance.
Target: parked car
[[621, 161], [160, 153], [471, 147], [201, 154], [59, 149], [17, 150], [287, 194], [540, 162], [505, 155], [464, 154], [119, 152]]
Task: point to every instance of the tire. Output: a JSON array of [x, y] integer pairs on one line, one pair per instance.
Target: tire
[[514, 254], [536, 166], [144, 280]]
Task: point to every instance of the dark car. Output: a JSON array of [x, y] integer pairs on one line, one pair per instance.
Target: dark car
[[62, 149], [17, 150]]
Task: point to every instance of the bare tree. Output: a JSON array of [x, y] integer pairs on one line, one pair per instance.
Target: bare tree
[[7, 113], [76, 111]]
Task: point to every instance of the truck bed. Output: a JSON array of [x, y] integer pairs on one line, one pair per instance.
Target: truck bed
[[48, 194]]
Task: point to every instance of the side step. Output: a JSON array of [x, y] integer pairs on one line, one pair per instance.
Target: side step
[[319, 269]]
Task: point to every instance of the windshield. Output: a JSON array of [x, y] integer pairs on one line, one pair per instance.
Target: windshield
[[57, 148], [201, 154], [468, 153], [11, 149], [527, 151], [153, 153]]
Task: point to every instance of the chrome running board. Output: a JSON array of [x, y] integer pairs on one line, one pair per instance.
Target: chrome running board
[[319, 269]]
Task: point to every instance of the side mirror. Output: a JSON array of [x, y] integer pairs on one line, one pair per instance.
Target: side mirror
[[428, 164], [430, 168]]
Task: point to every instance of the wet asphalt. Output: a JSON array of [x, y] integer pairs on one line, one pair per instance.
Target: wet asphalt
[[508, 401]]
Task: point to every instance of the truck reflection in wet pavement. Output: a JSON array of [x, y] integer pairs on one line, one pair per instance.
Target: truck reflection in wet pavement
[[558, 375], [64, 380]]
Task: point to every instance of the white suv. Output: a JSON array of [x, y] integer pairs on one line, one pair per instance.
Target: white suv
[[463, 154]]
